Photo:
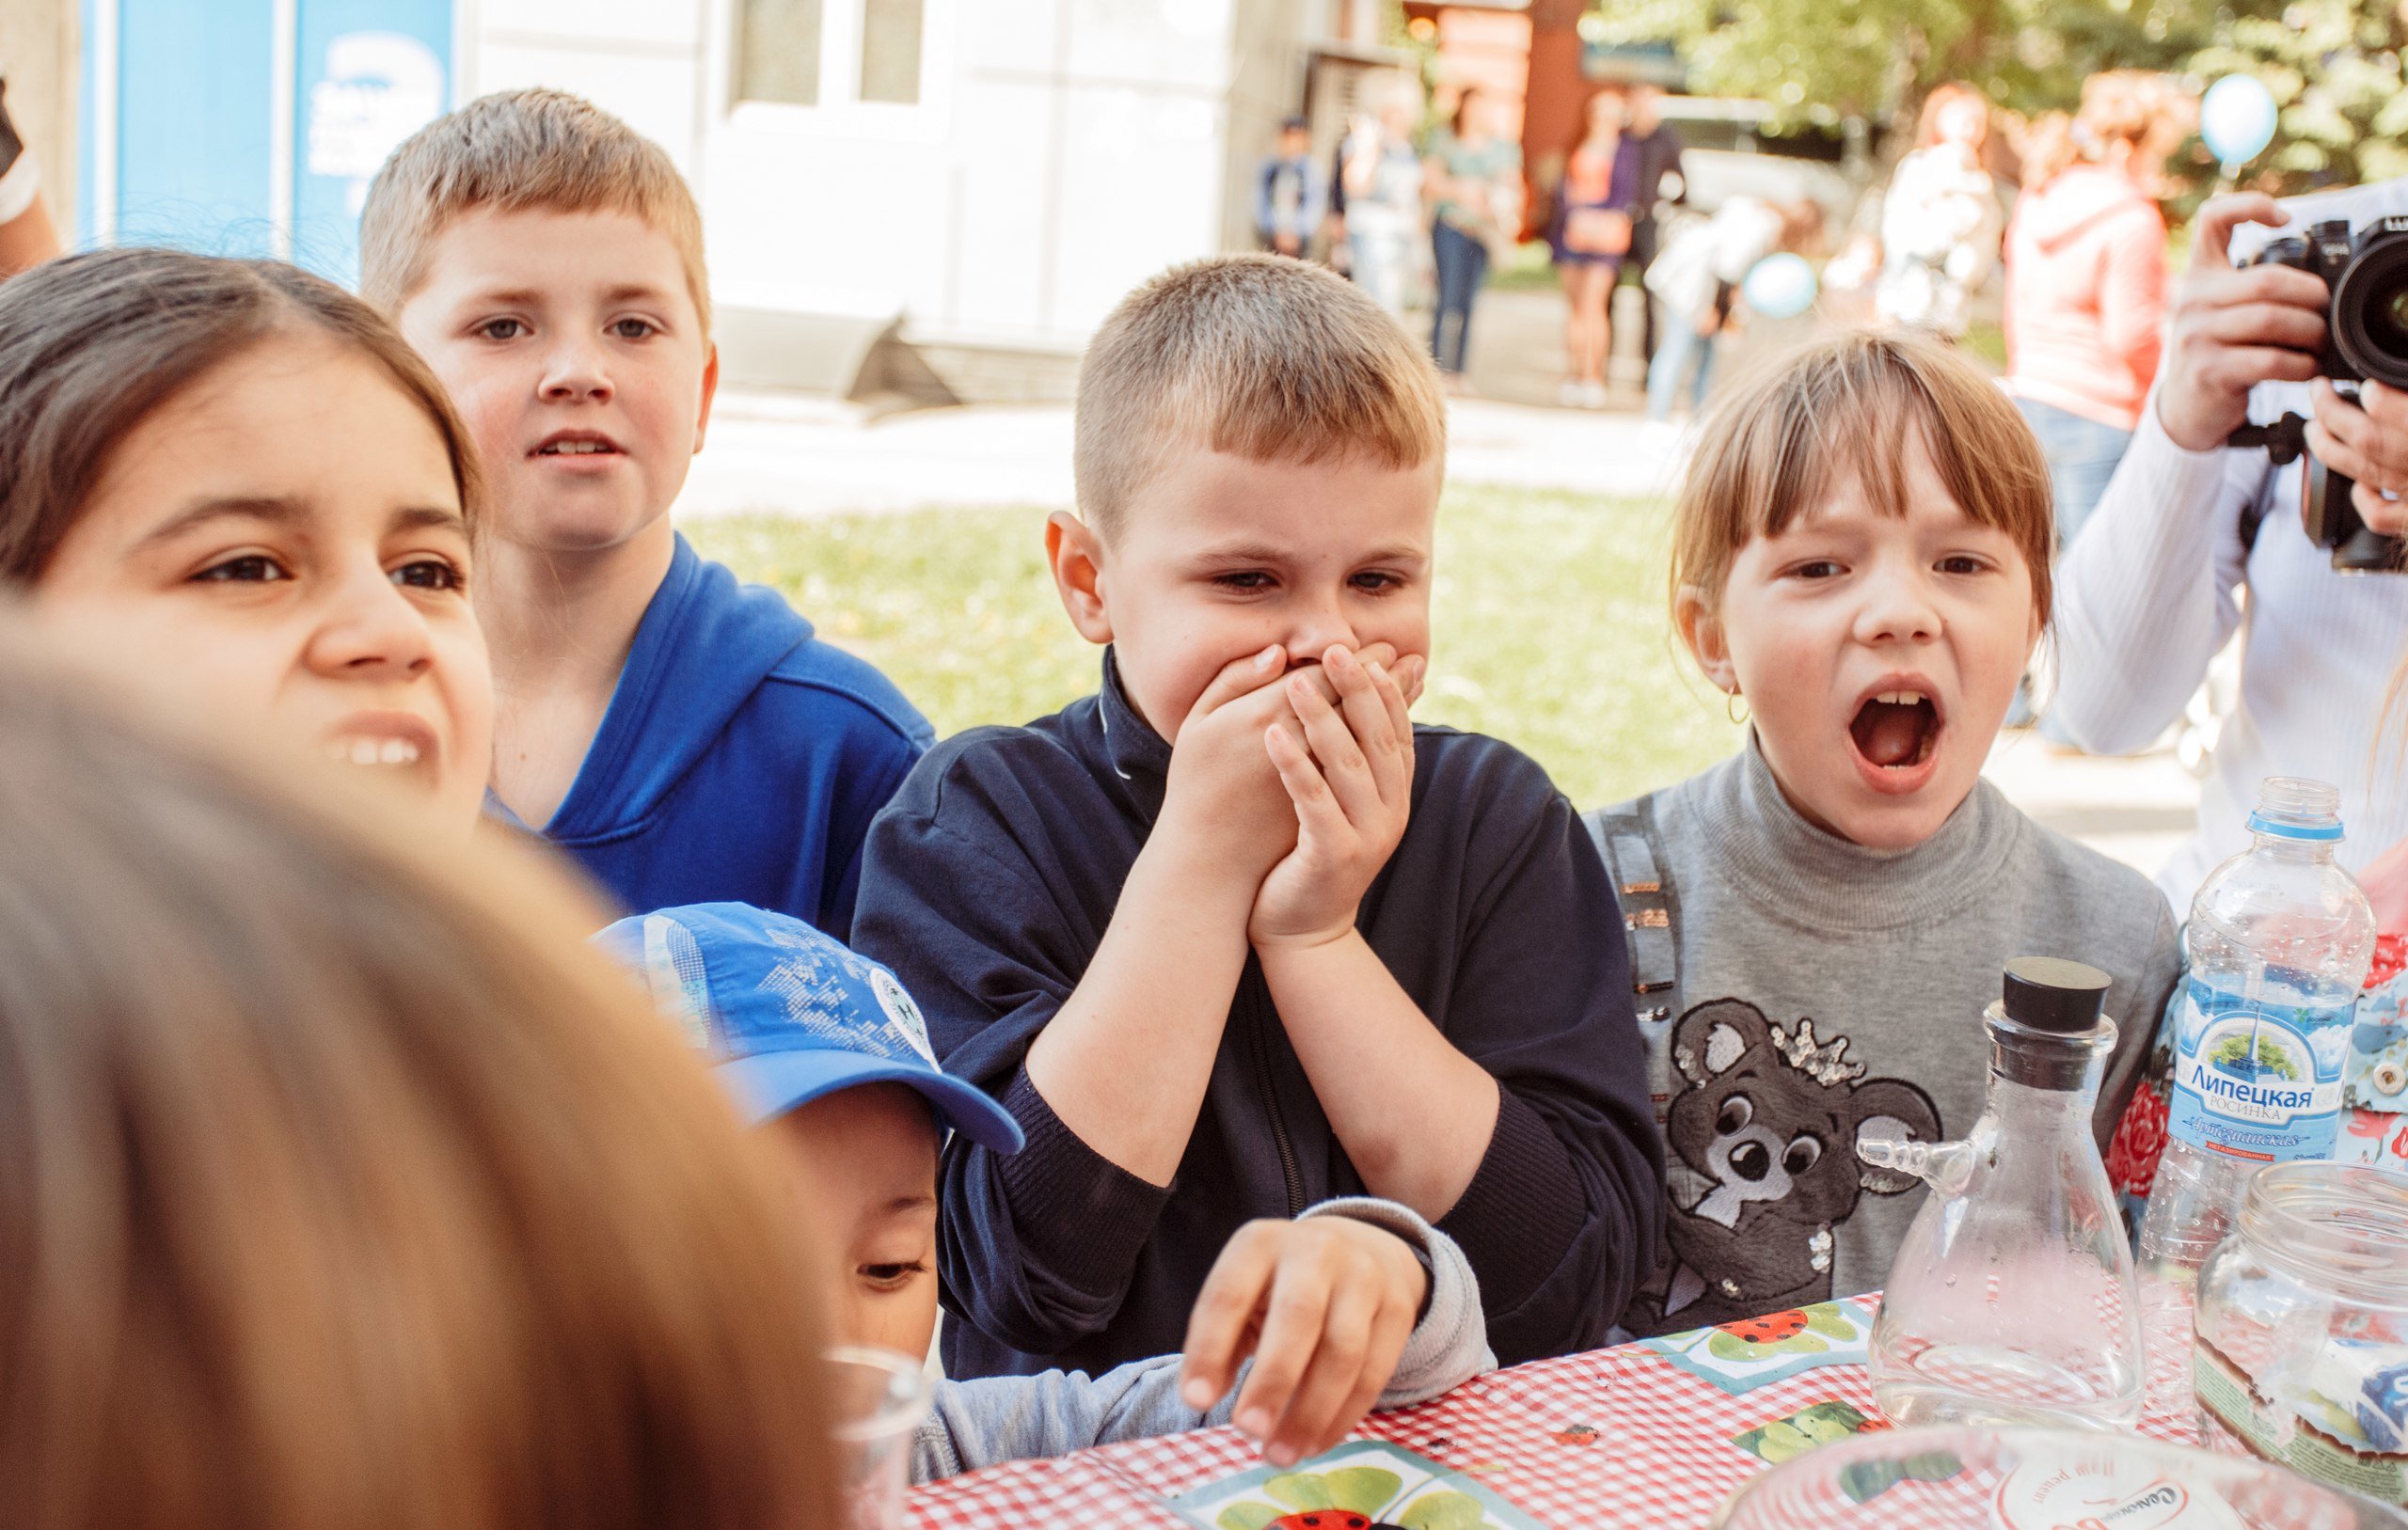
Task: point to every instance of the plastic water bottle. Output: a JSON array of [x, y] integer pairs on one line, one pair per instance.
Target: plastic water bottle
[[2279, 940]]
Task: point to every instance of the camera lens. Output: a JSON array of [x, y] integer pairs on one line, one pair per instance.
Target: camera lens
[[2387, 319], [2371, 310]]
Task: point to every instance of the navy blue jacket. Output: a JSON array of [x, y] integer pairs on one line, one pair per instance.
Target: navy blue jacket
[[988, 885], [741, 759]]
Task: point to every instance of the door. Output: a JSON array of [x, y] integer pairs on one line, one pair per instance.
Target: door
[[251, 127]]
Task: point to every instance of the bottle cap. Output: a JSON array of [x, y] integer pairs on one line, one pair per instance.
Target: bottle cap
[[2296, 808], [2047, 993]]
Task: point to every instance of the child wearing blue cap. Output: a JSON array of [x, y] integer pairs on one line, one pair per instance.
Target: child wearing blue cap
[[823, 1048]]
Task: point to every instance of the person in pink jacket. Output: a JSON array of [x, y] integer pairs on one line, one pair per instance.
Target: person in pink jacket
[[2086, 281]]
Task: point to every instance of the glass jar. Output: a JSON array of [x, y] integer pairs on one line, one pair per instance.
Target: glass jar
[[2035, 1479], [2301, 1348]]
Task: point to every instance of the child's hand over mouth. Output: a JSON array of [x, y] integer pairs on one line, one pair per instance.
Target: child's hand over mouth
[[1347, 766]]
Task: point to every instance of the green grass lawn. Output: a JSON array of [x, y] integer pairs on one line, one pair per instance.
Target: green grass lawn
[[1549, 613]]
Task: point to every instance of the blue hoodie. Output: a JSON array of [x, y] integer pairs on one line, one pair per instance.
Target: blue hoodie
[[740, 761]]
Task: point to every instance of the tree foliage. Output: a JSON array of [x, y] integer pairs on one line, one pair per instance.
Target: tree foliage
[[2335, 66]]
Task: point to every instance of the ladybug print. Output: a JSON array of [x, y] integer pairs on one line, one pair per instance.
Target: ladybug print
[[1327, 1519], [1772, 1328]]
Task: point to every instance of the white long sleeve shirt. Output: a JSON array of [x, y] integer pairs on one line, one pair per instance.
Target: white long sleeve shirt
[[2151, 591]]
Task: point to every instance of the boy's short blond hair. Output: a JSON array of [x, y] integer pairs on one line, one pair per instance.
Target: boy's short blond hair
[[1262, 356], [1847, 406], [518, 149]]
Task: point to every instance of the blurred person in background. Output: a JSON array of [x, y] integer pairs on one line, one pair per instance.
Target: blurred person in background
[[1663, 183], [1698, 278], [342, 1189], [2087, 279], [1333, 224], [1381, 175], [1288, 192], [1940, 219], [1595, 210], [1474, 176], [27, 234]]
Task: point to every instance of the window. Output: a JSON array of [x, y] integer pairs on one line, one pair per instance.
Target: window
[[778, 51], [891, 50], [831, 53]]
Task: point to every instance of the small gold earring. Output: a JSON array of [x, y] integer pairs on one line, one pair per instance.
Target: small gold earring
[[1731, 699]]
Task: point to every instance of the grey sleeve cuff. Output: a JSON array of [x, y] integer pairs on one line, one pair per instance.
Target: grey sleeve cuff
[[1008, 1418], [1449, 1345], [933, 1456]]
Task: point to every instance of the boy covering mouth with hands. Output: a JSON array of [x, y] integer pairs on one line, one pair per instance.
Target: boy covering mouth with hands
[[1233, 935]]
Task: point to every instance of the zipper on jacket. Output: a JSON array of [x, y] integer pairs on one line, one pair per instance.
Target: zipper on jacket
[[1295, 1179]]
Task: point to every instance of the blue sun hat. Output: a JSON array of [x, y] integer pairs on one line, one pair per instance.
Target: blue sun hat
[[787, 1014]]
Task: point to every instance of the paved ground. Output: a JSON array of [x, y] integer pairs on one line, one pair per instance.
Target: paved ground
[[771, 454], [2137, 809], [783, 456]]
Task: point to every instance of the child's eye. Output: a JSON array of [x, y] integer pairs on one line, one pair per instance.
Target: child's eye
[[502, 329], [1249, 579], [633, 329], [250, 568], [892, 1277], [1378, 583], [430, 574], [1820, 568], [1964, 564]]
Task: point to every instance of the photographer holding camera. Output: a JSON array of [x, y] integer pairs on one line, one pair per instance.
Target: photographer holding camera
[[2152, 586]]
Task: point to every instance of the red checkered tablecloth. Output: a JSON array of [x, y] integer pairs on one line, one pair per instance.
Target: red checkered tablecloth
[[1615, 1437]]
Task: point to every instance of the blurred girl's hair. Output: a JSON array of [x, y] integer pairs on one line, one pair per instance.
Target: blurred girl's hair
[[341, 1187], [2045, 150], [2151, 112], [1942, 96]]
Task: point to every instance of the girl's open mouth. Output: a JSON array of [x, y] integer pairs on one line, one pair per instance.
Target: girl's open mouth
[[1896, 731]]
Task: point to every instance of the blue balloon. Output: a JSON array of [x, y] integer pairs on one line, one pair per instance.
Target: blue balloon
[[2237, 118], [1779, 286]]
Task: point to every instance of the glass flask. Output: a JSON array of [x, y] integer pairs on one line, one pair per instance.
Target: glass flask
[[2011, 1301], [879, 1398]]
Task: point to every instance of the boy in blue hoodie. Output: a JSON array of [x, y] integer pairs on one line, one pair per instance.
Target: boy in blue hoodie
[[682, 736], [827, 1055]]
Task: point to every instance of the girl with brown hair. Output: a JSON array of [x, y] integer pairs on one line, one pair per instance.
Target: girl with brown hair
[[341, 1187], [237, 483], [1860, 558]]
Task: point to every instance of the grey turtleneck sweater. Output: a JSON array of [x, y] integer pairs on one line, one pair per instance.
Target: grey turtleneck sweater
[[1806, 989]]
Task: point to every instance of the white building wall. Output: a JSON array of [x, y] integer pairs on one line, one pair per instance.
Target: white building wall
[[641, 59], [1061, 151]]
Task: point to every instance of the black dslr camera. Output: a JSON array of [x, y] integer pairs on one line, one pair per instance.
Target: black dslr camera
[[2366, 336]]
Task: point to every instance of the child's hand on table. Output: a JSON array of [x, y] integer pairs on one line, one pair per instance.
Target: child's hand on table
[[1348, 770], [1324, 1306]]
